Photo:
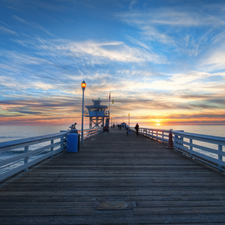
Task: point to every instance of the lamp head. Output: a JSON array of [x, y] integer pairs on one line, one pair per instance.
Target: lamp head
[[83, 85]]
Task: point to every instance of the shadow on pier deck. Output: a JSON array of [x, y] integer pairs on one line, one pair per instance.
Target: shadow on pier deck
[[115, 179]]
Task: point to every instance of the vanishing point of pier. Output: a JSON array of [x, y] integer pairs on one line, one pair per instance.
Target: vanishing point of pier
[[115, 179]]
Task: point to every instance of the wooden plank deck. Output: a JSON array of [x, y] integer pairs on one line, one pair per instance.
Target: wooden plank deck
[[115, 179]]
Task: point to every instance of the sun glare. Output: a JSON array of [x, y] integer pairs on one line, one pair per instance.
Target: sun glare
[[158, 124]]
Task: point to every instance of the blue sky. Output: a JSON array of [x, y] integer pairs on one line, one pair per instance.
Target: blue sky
[[163, 61]]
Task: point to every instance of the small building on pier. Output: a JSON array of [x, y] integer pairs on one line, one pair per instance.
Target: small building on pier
[[97, 114], [123, 125]]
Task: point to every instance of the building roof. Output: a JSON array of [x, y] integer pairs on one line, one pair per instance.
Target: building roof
[[96, 106]]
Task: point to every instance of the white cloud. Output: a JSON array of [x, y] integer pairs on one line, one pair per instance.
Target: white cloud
[[19, 59], [6, 30], [42, 86], [176, 27], [137, 42], [22, 84], [172, 17], [35, 25], [214, 60], [193, 82], [98, 52], [153, 34], [133, 2]]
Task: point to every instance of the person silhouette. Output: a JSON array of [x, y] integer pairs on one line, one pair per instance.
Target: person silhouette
[[127, 129], [136, 128]]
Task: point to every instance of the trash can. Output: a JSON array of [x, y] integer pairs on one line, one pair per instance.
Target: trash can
[[72, 142], [78, 142]]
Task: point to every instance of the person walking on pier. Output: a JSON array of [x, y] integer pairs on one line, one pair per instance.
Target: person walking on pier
[[136, 128], [127, 129]]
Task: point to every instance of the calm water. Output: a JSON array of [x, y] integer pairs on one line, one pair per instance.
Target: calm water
[[8, 133]]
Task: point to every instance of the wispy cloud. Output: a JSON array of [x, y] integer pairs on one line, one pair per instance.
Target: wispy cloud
[[34, 25], [132, 4], [7, 30], [23, 58], [137, 42], [214, 60], [173, 17], [183, 30], [97, 52], [114, 51]]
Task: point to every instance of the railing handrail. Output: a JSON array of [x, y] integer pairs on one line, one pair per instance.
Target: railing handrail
[[29, 141], [202, 137], [92, 129], [38, 153], [193, 150], [161, 130], [33, 140], [106, 113]]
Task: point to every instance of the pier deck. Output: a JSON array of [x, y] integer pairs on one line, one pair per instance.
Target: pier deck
[[115, 179]]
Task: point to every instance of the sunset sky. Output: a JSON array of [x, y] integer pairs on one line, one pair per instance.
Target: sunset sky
[[163, 61]]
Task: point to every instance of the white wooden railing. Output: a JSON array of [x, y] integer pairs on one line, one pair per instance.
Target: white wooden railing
[[156, 134], [28, 152], [19, 155], [91, 132], [205, 148]]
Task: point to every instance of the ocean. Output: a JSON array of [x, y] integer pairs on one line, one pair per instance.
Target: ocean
[[9, 133]]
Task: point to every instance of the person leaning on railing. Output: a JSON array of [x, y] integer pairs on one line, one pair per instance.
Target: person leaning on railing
[[136, 128]]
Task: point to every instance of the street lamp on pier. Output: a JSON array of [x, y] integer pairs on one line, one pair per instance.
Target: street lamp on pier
[[83, 86]]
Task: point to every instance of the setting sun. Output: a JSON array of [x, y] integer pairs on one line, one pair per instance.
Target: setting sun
[[157, 122]]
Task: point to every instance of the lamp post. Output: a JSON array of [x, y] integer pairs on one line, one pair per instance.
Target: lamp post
[[83, 86]]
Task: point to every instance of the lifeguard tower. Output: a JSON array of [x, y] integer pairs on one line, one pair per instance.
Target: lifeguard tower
[[97, 114]]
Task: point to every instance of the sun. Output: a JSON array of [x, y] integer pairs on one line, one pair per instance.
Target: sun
[[157, 122]]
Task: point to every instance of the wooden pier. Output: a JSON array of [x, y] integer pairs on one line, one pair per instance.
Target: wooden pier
[[115, 179]]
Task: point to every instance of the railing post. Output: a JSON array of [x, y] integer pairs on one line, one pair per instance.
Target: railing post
[[191, 148], [52, 142], [162, 136], [157, 135], [220, 157], [170, 141], [62, 141], [175, 142], [26, 149], [181, 138]]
